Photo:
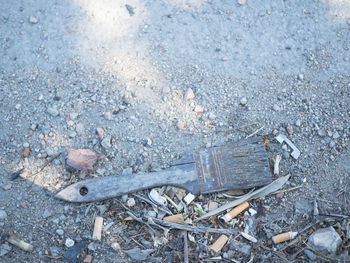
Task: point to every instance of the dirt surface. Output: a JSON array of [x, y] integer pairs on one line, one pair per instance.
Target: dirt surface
[[70, 67]]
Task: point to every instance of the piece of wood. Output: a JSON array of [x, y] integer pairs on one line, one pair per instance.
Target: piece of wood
[[241, 165], [178, 218], [219, 243], [97, 228]]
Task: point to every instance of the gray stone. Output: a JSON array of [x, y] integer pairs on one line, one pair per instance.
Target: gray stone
[[25, 144], [47, 214], [298, 123], [325, 240], [4, 249], [54, 251], [336, 135], [321, 133], [73, 115], [52, 111], [72, 134], [80, 128], [331, 144], [138, 254], [241, 247], [244, 101], [3, 215], [33, 20], [211, 116], [286, 155], [60, 232], [106, 142], [310, 254]]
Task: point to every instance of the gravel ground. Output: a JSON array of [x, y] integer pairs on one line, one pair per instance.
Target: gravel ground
[[126, 67]]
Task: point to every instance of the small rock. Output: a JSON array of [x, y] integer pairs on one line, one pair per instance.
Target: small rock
[[25, 144], [106, 142], [325, 240], [330, 133], [280, 195], [60, 232], [310, 254], [290, 129], [131, 202], [26, 152], [108, 115], [69, 242], [18, 106], [54, 251], [276, 107], [3, 215], [336, 135], [4, 249], [88, 259], [285, 155], [199, 109], [244, 100], [241, 247], [138, 254], [52, 111], [73, 115], [100, 133], [275, 132], [180, 125], [241, 2], [80, 128], [7, 187], [81, 159], [301, 77], [72, 134], [47, 214], [211, 116], [298, 123], [321, 133], [33, 127], [166, 90], [33, 20], [189, 95], [331, 144]]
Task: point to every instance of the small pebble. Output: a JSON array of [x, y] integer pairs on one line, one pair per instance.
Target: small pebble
[[88, 259], [244, 101], [242, 2], [26, 152], [276, 107], [7, 187], [285, 155], [108, 115], [33, 20], [106, 142], [52, 111], [3, 215], [189, 95], [211, 116], [18, 106], [336, 135], [60, 232], [199, 109], [290, 129], [25, 144], [180, 125], [100, 133], [321, 133], [298, 123]]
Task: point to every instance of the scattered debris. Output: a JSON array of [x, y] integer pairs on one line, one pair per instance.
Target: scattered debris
[[276, 166], [189, 198], [284, 237], [236, 211], [249, 237], [73, 254], [157, 198], [14, 240], [282, 138], [138, 254], [81, 159], [325, 240], [97, 228], [178, 218], [219, 243]]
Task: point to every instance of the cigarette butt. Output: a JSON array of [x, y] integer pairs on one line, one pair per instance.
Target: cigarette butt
[[219, 243], [97, 228], [235, 211], [175, 219], [19, 243], [284, 237]]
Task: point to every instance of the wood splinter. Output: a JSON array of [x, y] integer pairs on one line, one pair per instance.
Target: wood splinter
[[178, 218], [97, 228], [14, 240], [219, 243]]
